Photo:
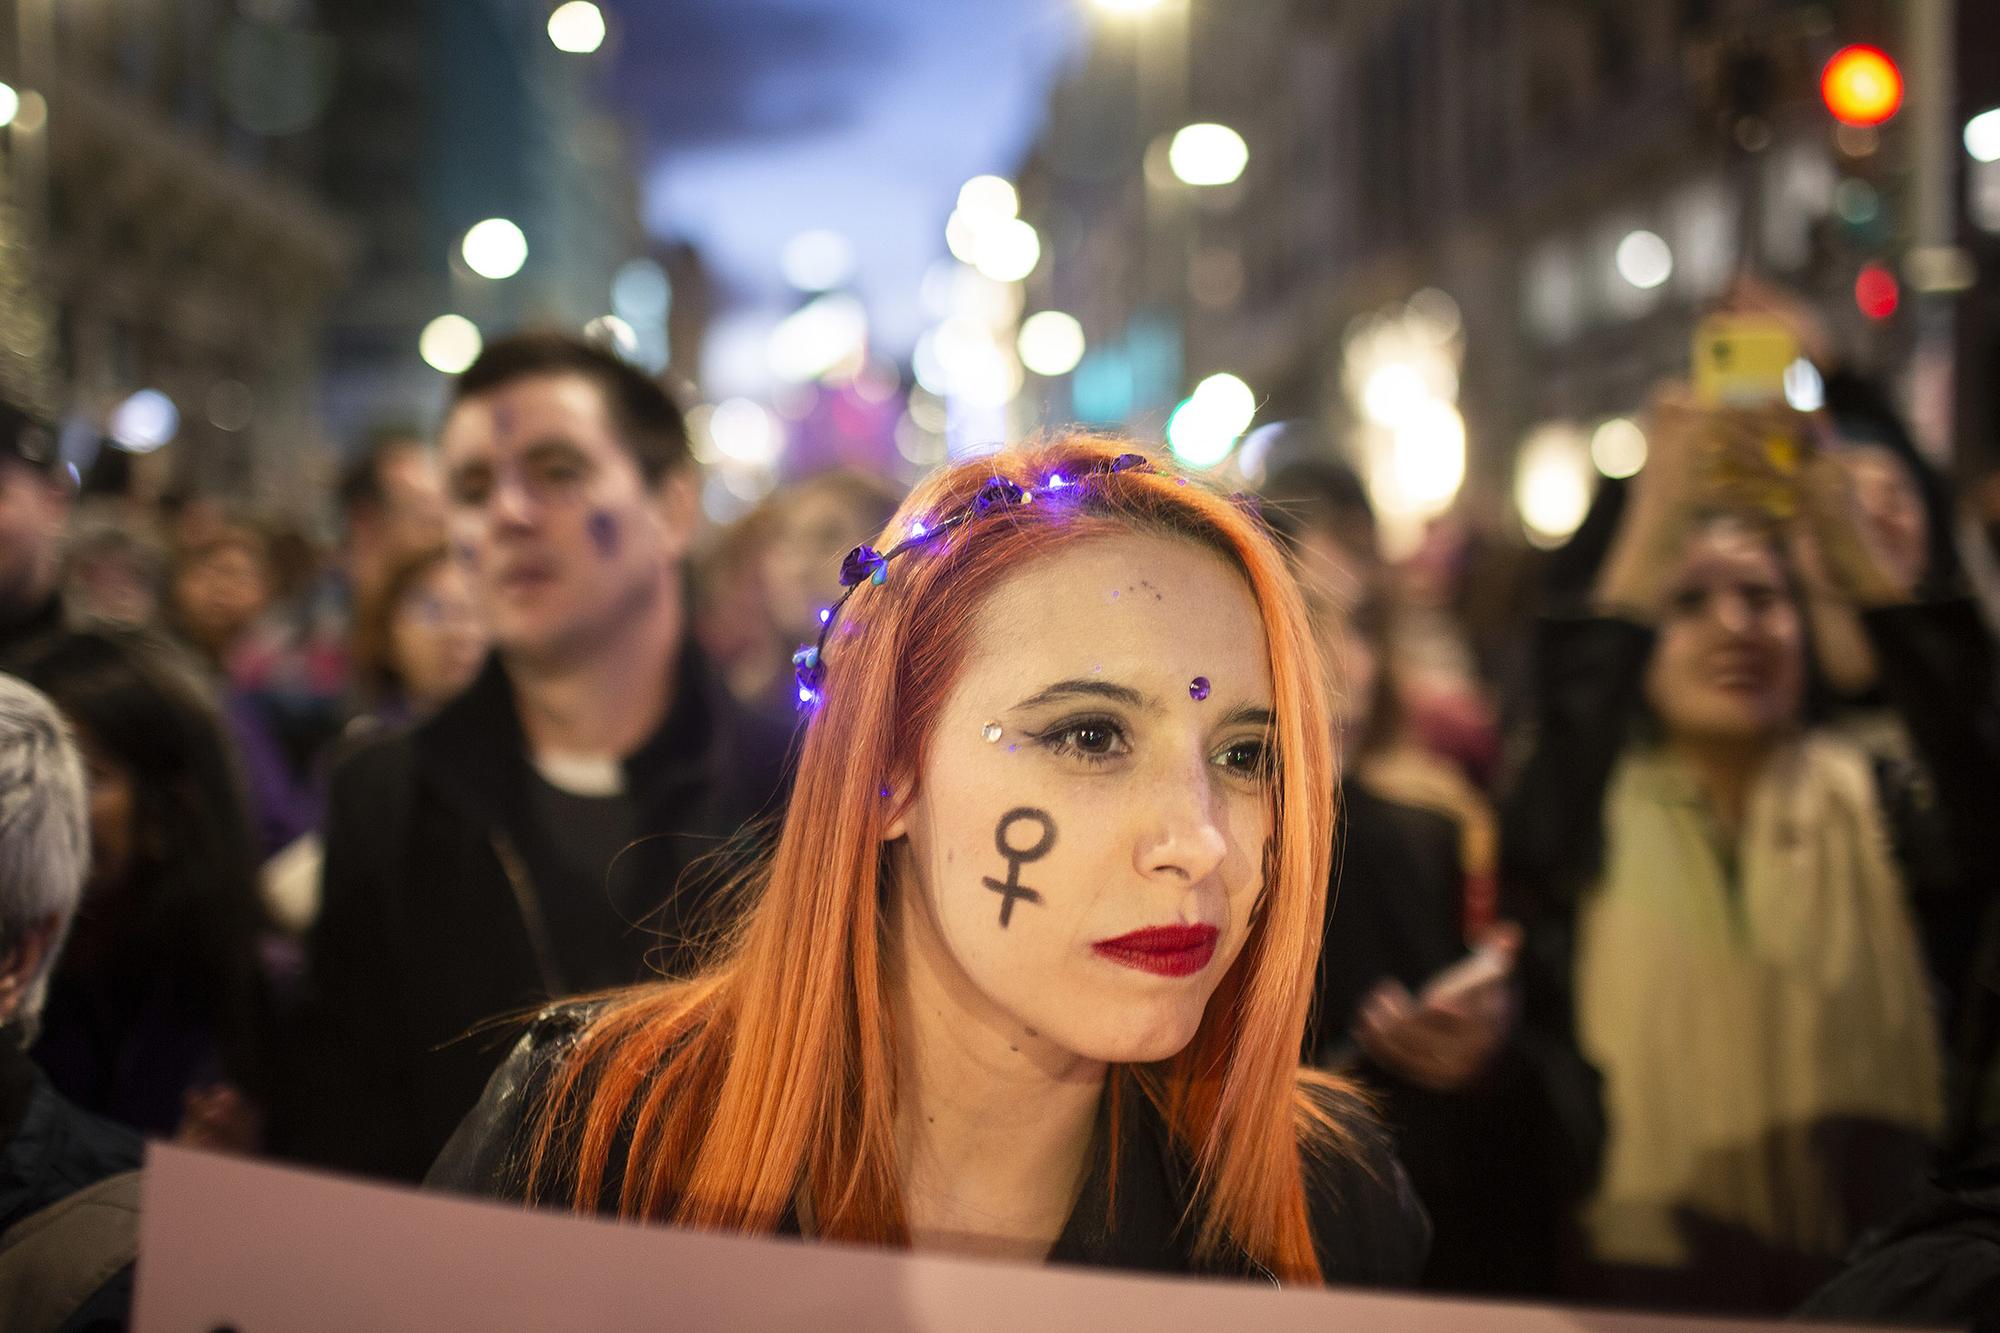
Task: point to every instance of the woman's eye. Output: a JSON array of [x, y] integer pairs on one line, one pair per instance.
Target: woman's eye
[[1090, 738], [1246, 758]]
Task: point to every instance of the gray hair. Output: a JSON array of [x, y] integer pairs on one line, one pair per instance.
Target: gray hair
[[44, 830]]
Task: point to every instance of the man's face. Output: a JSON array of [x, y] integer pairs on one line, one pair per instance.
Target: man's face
[[32, 508], [562, 538]]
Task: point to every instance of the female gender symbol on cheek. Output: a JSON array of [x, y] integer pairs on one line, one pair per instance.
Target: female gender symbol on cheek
[[1011, 888]]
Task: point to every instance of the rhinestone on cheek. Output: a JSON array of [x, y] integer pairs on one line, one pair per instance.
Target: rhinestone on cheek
[[991, 732]]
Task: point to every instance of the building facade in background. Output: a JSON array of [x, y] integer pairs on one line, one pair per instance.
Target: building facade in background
[[1471, 234]]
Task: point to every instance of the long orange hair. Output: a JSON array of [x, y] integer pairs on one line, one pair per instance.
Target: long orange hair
[[768, 1080]]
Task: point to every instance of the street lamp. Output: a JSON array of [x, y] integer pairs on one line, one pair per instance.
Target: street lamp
[[1205, 154]]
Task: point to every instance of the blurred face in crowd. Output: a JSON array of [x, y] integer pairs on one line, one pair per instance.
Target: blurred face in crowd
[[112, 813], [413, 500], [564, 542], [436, 639], [810, 534], [32, 510], [1344, 591], [221, 589], [1886, 494], [1729, 663], [1086, 843]]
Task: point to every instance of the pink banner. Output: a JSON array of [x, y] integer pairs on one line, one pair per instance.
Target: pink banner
[[252, 1247]]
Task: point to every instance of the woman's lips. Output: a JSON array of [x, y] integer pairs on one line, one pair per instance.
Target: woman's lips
[[1167, 951]]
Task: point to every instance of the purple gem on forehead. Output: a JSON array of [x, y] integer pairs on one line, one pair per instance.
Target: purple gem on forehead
[[1198, 688]]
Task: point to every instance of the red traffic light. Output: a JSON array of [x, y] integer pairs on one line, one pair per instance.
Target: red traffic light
[[1861, 86], [1877, 292]]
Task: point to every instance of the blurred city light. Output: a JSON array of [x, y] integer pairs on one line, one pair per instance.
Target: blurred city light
[[1982, 136], [1127, 6], [988, 197], [1051, 343], [577, 27], [1007, 250], [1207, 154], [494, 248], [961, 236], [1805, 391], [144, 422], [10, 104], [1876, 292], [1427, 457], [1644, 260], [826, 334], [743, 432], [817, 261], [449, 344], [640, 291], [1394, 391], [1861, 86], [1552, 484], [1618, 447], [1204, 428]]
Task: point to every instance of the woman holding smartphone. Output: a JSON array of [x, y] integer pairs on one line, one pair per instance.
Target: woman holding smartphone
[[1722, 875]]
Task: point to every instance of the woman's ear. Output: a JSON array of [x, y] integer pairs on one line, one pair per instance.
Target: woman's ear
[[896, 799]]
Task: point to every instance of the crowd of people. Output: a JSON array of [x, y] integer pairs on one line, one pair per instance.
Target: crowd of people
[[1644, 953]]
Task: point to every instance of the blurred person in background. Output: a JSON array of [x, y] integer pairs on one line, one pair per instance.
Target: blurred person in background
[[111, 572], [529, 839], [731, 614], [1720, 889], [34, 506], [157, 1013], [219, 588], [1401, 1005], [419, 638], [68, 1179], [391, 506], [220, 593]]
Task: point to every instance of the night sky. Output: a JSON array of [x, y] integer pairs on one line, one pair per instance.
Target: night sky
[[757, 119]]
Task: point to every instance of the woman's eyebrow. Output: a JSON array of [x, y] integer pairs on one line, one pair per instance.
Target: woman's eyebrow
[[1250, 715], [1085, 689]]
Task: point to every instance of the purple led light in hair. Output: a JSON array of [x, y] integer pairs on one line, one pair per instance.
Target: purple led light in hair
[[825, 614]]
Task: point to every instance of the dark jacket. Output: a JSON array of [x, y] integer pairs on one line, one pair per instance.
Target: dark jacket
[[1368, 1228], [1396, 909], [49, 1150], [1936, 1263], [446, 904]]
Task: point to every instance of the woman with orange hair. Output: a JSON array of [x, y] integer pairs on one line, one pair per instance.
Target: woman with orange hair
[[1027, 971]]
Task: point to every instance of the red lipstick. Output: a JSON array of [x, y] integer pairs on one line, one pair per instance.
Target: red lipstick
[[1167, 951]]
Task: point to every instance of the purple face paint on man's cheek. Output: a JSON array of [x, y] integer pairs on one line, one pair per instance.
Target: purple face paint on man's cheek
[[603, 533]]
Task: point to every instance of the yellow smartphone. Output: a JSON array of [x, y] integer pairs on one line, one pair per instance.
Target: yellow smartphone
[[1740, 362]]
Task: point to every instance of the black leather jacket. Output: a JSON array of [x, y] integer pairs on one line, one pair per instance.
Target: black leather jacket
[[1368, 1228]]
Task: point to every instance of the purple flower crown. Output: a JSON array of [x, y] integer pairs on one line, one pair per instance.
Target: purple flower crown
[[864, 564]]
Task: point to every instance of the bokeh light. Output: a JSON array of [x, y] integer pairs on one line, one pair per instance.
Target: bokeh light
[[1427, 457], [577, 27], [10, 104], [495, 248], [817, 260], [1051, 342], [824, 335], [743, 432], [1644, 260], [1861, 86], [1205, 427], [144, 422], [989, 197], [1207, 154], [1007, 250], [1552, 483], [449, 344], [1982, 136], [1618, 447]]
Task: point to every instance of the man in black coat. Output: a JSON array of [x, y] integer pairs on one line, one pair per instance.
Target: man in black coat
[[564, 825]]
